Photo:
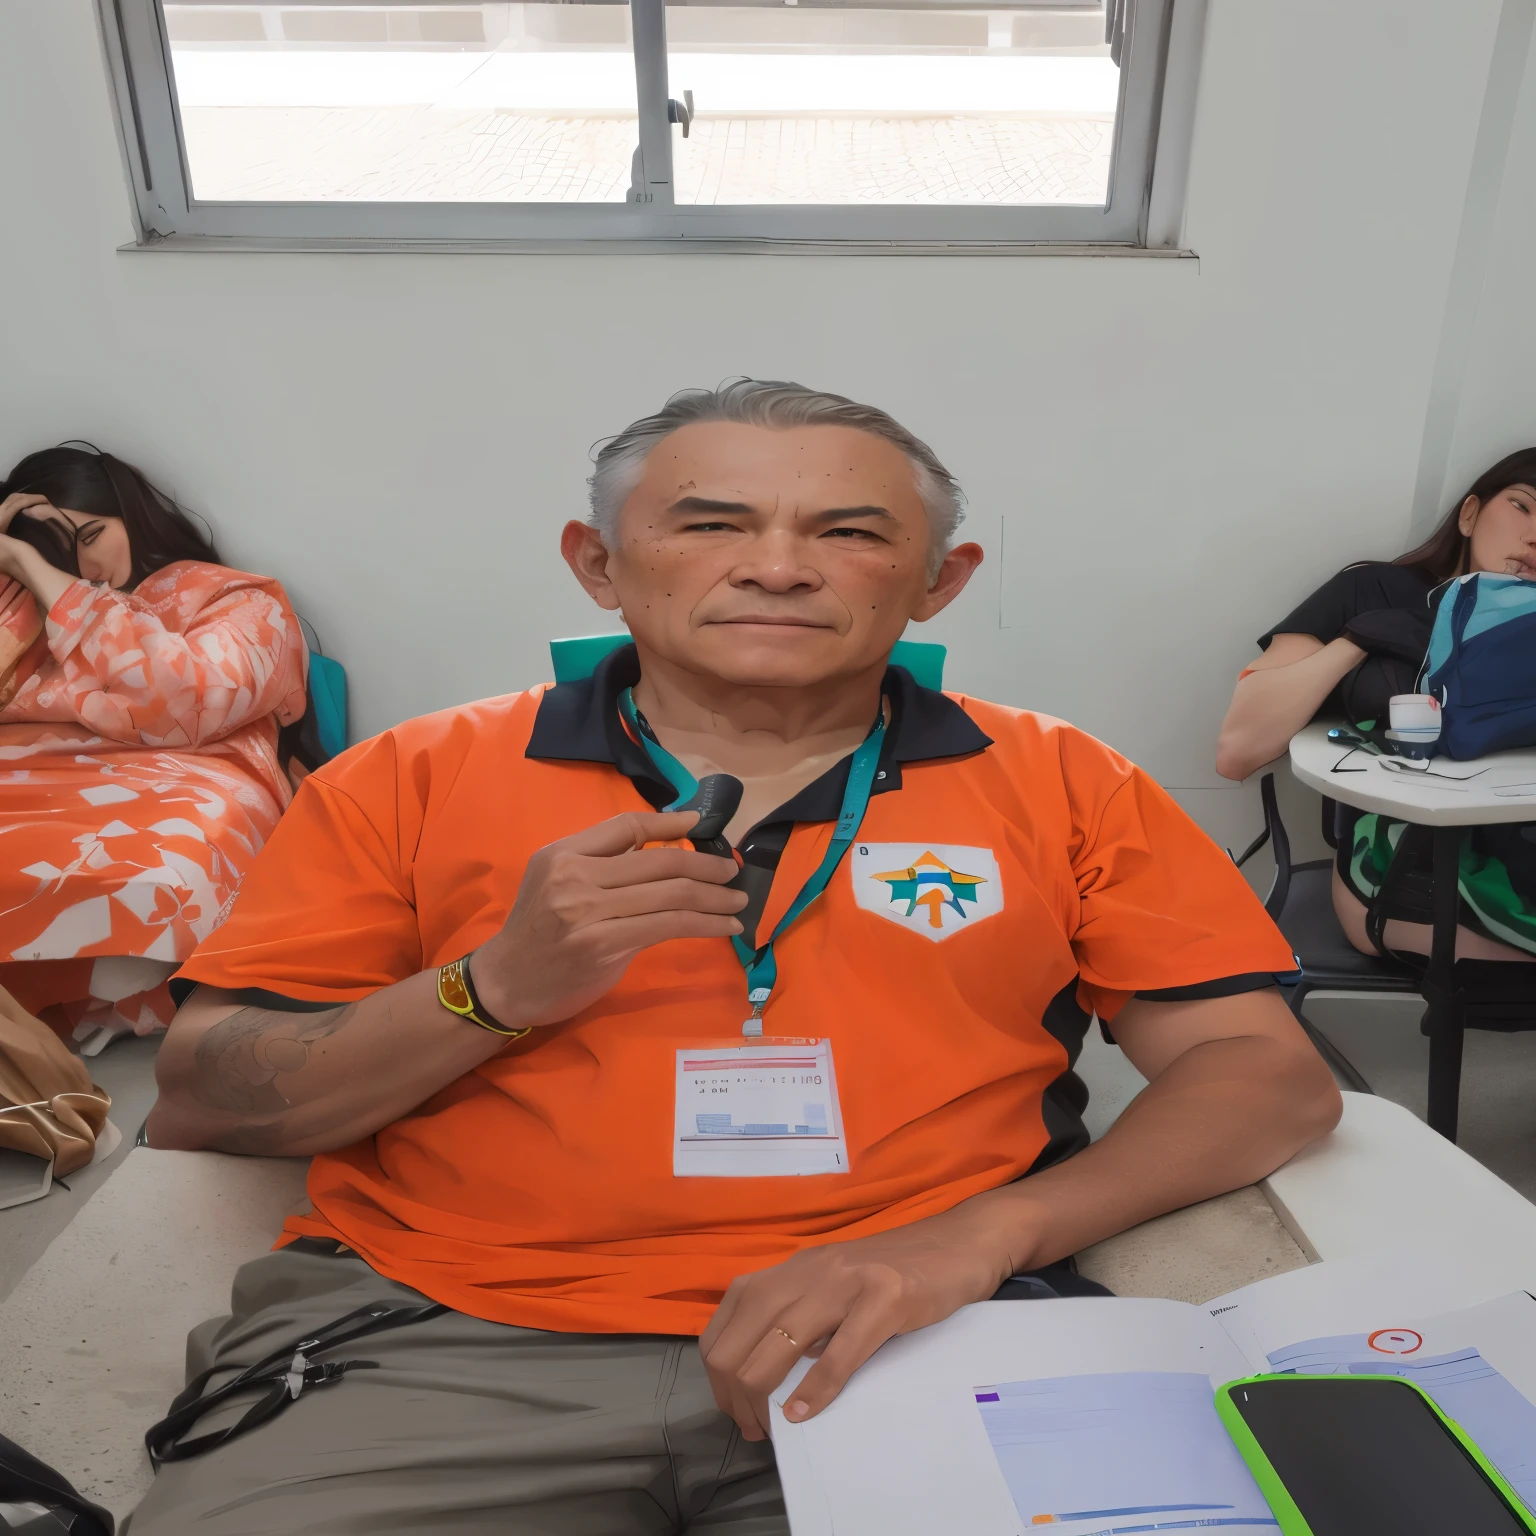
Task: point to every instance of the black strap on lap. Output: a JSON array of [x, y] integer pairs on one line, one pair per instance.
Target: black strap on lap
[[1404, 891], [286, 1373]]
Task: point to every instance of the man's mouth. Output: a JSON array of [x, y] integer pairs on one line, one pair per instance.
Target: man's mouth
[[772, 621]]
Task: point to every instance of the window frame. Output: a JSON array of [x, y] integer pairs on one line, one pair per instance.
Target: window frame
[[1148, 166]]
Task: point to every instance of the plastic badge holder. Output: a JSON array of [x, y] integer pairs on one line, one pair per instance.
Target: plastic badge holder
[[1284, 1508]]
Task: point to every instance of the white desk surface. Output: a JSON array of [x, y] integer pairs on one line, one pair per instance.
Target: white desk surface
[[1384, 1181], [91, 1340], [1498, 788]]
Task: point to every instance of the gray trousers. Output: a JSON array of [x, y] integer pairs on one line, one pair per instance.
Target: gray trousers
[[467, 1427]]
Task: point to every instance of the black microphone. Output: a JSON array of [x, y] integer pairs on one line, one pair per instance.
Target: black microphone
[[717, 799]]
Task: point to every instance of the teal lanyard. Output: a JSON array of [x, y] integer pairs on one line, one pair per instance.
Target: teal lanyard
[[761, 967]]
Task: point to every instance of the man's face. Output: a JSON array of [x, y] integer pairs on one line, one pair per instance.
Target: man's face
[[770, 558]]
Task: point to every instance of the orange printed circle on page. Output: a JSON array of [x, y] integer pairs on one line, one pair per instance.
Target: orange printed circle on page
[[1395, 1341]]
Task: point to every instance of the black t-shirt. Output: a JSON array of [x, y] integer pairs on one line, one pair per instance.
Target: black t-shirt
[[1355, 590]]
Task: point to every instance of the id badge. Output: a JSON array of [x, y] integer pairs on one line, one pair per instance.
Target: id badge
[[766, 1110]]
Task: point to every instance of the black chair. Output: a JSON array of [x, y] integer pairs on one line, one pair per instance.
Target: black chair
[[1300, 900], [1475, 994]]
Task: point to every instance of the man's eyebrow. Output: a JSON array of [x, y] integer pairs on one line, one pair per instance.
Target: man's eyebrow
[[695, 504], [834, 514], [706, 504]]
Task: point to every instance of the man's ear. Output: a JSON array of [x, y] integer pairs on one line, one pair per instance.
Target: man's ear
[[587, 557], [957, 568]]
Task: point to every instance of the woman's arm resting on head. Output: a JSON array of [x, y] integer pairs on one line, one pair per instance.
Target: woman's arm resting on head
[[18, 501], [1276, 696], [47, 583], [1235, 1090]]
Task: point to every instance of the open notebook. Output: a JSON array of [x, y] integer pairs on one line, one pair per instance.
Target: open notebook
[[1096, 1417]]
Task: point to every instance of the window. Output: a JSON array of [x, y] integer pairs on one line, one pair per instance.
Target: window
[[816, 122]]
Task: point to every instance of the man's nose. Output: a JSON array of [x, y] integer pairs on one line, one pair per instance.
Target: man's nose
[[776, 562]]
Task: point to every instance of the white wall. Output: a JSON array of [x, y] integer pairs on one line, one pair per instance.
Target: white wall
[[1162, 456], [1497, 385]]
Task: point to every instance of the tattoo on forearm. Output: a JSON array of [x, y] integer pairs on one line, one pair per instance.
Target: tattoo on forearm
[[240, 1058], [267, 1139]]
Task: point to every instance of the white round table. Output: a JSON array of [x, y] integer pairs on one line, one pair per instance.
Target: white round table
[[1449, 797], [1498, 788]]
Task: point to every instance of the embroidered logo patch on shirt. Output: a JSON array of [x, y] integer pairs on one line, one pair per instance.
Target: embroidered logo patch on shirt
[[935, 889]]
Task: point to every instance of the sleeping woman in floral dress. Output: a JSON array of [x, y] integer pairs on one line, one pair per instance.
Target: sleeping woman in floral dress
[[143, 685]]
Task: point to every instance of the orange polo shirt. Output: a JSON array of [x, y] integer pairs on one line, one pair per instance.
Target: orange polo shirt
[[538, 1188]]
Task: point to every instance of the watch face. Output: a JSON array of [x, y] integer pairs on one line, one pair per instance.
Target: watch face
[[451, 988]]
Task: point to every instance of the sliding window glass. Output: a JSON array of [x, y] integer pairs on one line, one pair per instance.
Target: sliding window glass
[[818, 122], [892, 105], [523, 103]]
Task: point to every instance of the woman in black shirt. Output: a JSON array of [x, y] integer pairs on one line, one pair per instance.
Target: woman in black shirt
[[1358, 639]]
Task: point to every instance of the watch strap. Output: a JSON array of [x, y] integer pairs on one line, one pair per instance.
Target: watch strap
[[456, 992]]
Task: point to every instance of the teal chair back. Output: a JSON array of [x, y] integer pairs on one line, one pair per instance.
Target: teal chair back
[[577, 658], [328, 700]]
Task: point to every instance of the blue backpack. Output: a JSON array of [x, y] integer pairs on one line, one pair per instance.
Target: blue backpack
[[1482, 665]]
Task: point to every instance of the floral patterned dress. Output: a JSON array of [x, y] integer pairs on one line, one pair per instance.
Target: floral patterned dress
[[138, 772]]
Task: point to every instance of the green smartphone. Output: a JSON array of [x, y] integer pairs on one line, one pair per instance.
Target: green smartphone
[[1361, 1455]]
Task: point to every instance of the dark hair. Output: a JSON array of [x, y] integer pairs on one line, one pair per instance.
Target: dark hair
[[1444, 553], [86, 480]]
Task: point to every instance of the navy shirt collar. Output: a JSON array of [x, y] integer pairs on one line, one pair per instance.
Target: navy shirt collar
[[579, 722]]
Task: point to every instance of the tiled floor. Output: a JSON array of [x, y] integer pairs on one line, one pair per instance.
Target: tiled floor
[[1498, 1084], [413, 153]]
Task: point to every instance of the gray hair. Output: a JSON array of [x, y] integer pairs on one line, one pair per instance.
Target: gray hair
[[770, 403]]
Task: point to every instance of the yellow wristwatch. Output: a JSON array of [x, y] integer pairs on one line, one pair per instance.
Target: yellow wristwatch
[[456, 992]]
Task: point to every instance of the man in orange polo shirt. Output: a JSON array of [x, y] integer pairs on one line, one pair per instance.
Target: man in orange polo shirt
[[578, 1092]]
